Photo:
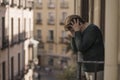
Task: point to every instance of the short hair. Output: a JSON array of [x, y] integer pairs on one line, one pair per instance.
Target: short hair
[[70, 18]]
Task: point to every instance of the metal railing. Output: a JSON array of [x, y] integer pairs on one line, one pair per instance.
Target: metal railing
[[64, 4], [81, 63]]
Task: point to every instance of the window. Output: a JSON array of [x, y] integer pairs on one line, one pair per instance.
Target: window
[[25, 28], [39, 1], [12, 27], [19, 28], [64, 4], [38, 18], [3, 32], [3, 28], [85, 9], [13, 3], [39, 4], [14, 37], [50, 48], [24, 3], [50, 35], [64, 15], [12, 68], [19, 3], [51, 18], [23, 59], [29, 4], [39, 35], [38, 15], [30, 29], [3, 71], [51, 4], [18, 63], [63, 37]]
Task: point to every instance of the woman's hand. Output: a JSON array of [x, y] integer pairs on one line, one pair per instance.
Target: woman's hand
[[75, 25]]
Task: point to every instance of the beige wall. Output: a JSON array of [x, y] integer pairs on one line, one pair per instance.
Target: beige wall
[[57, 28], [119, 36], [15, 12], [111, 40]]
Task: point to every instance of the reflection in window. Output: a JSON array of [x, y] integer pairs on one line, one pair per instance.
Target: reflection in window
[[39, 35], [64, 14], [51, 18], [50, 35], [38, 18], [51, 4]]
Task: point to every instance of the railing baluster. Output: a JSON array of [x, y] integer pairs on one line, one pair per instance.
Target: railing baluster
[[80, 71], [95, 71]]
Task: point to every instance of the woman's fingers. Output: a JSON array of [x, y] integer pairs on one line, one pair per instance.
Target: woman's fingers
[[74, 21], [78, 21]]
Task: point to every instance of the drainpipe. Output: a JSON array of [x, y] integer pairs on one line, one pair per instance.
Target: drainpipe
[[75, 6]]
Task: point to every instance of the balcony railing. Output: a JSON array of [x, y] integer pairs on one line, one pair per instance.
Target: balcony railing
[[13, 4], [50, 40], [20, 6], [38, 21], [64, 5], [15, 39], [51, 5], [21, 37], [41, 45], [5, 42], [19, 76], [62, 22], [81, 63], [51, 22], [38, 38]]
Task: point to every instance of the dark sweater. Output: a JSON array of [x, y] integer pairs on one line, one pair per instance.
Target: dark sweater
[[90, 44]]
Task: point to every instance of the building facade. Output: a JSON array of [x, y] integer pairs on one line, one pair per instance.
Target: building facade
[[49, 16], [105, 14], [16, 39]]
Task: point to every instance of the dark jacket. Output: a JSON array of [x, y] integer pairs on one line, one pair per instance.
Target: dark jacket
[[90, 44]]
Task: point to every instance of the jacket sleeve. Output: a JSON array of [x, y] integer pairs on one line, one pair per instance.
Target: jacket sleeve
[[87, 40], [73, 45]]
